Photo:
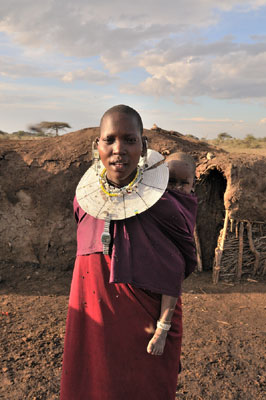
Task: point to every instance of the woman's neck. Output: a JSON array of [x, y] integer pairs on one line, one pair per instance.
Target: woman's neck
[[116, 185]]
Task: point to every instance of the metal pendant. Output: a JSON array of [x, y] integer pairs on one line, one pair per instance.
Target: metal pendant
[[106, 236]]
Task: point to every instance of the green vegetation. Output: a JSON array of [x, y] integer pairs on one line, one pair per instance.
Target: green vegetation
[[49, 128], [250, 144], [42, 130], [223, 136], [21, 135]]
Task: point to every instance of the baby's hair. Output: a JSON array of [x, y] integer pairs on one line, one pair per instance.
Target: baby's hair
[[183, 157], [123, 109]]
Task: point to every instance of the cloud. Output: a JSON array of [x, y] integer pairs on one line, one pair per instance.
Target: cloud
[[221, 70], [153, 35], [25, 96], [203, 119], [83, 29], [24, 104], [86, 29], [262, 121], [90, 75], [11, 68]]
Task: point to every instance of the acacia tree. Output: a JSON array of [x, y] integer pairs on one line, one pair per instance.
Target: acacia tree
[[224, 135], [49, 128]]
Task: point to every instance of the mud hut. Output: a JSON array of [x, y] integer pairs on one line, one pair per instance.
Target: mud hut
[[37, 185], [232, 212]]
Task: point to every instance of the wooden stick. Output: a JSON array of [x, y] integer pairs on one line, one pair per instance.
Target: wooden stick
[[216, 267], [240, 251], [198, 248], [237, 229], [254, 222], [219, 250], [264, 269], [224, 229], [253, 249]]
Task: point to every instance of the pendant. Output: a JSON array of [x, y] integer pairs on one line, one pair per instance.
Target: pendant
[[106, 237]]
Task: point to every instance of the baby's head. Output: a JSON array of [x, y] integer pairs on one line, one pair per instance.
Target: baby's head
[[181, 172]]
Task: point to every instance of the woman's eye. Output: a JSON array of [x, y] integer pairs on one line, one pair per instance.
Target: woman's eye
[[108, 140]]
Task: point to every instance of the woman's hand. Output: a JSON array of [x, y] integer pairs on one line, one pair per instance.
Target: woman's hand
[[157, 342]]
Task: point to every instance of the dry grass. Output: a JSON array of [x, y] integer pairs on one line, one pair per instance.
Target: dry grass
[[248, 145], [17, 137], [236, 149]]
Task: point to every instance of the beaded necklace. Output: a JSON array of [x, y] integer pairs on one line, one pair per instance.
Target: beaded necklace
[[114, 191], [100, 199]]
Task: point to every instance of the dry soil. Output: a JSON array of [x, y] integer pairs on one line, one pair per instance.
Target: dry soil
[[223, 345]]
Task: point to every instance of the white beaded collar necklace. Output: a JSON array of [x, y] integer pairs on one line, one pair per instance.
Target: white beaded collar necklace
[[103, 201]]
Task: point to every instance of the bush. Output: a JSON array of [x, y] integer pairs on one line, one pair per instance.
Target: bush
[[21, 133]]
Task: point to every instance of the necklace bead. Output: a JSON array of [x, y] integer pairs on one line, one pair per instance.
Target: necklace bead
[[115, 192]]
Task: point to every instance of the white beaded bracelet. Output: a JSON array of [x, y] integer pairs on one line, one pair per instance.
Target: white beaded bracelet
[[163, 326]]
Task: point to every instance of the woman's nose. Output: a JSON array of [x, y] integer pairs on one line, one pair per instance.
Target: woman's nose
[[118, 147]]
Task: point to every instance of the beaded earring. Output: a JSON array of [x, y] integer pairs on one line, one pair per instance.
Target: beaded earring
[[95, 156], [144, 151]]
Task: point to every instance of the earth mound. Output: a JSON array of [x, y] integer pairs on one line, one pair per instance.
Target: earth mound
[[38, 181]]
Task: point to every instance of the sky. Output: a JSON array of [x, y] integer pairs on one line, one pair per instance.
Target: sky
[[196, 67]]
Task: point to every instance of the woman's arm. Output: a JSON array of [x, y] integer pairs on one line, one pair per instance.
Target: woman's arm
[[167, 308], [157, 342]]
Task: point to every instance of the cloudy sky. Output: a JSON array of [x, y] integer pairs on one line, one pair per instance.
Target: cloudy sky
[[194, 66]]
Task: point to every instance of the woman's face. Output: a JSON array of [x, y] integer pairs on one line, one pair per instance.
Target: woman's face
[[120, 147]]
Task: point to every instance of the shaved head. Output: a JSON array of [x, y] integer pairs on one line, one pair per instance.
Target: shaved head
[[184, 158], [123, 109], [182, 169]]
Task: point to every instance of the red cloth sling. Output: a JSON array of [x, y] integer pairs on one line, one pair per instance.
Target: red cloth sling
[[153, 250]]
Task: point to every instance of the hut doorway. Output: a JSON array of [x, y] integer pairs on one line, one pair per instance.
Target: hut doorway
[[210, 190]]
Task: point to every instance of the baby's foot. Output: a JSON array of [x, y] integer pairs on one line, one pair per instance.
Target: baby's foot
[[157, 343]]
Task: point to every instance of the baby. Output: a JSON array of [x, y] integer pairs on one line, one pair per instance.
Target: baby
[[181, 177], [181, 172]]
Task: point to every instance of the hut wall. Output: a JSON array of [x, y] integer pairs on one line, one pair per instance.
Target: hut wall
[[37, 185]]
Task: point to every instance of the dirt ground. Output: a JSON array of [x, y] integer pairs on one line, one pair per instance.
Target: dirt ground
[[223, 346]]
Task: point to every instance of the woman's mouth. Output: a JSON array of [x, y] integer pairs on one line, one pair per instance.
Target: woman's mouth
[[119, 166]]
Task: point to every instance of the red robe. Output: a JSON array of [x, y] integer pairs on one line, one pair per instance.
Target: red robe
[[110, 324], [108, 329]]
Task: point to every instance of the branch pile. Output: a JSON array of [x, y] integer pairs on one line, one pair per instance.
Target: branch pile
[[241, 250]]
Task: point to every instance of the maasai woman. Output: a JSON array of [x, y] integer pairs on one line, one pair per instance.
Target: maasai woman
[[134, 247]]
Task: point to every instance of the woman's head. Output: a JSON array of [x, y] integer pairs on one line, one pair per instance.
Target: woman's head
[[120, 144], [123, 109]]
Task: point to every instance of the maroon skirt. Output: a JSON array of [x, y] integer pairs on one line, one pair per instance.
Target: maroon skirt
[[107, 332]]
